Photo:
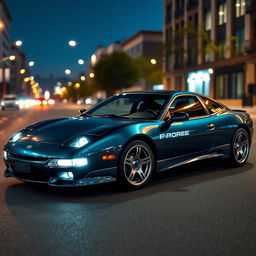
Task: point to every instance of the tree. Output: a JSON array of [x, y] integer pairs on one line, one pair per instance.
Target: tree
[[78, 89], [115, 72], [151, 73]]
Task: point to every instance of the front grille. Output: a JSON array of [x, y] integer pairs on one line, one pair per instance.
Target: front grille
[[32, 158]]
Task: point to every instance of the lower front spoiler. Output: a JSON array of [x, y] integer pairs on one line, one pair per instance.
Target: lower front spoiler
[[54, 182]]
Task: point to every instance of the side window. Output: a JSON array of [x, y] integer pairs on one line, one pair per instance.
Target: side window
[[188, 104], [212, 106]]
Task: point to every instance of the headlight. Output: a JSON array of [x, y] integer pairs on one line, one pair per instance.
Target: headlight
[[79, 142], [16, 137], [2, 103], [76, 162]]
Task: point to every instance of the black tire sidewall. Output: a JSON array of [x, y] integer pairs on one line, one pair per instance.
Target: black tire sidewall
[[232, 157], [120, 172]]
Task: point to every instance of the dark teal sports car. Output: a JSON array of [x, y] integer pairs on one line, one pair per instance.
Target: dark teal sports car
[[127, 138]]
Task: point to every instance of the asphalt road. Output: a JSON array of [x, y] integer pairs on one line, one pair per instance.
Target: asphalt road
[[204, 209]]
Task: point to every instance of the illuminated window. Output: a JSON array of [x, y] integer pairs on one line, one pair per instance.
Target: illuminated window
[[222, 13], [208, 20], [240, 8]]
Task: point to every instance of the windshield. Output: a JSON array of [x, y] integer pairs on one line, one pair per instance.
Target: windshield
[[145, 106]]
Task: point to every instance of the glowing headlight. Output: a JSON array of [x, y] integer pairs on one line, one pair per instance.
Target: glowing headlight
[[79, 142], [77, 162], [2, 103], [5, 155], [16, 137]]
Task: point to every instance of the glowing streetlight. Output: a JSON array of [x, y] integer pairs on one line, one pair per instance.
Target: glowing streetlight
[[12, 57], [83, 78], [31, 63], [80, 62], [77, 85], [18, 43], [67, 71], [72, 43], [22, 71], [153, 61], [93, 59], [210, 70], [91, 75], [2, 25], [59, 84]]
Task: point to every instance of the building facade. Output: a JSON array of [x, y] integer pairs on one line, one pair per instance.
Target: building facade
[[210, 47], [18, 72], [5, 47]]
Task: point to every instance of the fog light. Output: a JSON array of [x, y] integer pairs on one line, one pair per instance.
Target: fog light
[[66, 175]]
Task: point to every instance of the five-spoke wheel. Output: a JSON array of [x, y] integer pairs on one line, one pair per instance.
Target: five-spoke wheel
[[240, 147], [136, 164]]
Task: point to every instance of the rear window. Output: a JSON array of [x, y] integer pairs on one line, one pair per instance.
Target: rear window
[[212, 106]]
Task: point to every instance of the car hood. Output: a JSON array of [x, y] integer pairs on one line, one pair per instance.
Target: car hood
[[60, 130]]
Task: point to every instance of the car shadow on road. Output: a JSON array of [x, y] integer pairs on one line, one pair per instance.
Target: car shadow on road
[[178, 180]]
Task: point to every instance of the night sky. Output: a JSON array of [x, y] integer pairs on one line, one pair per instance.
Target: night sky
[[46, 26]]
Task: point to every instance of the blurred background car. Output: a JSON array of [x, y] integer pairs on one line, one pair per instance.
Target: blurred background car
[[44, 102], [9, 101]]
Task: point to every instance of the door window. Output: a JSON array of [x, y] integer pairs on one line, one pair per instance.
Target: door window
[[212, 106], [188, 104]]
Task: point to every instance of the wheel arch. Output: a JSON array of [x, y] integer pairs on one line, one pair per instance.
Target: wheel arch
[[244, 126], [147, 140]]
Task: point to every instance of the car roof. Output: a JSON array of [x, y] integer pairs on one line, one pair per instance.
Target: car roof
[[161, 92]]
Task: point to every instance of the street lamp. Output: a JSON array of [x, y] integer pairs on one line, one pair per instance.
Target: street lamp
[[67, 71], [22, 71], [72, 43], [83, 78], [91, 75], [153, 61], [18, 43], [31, 63], [80, 62], [2, 25]]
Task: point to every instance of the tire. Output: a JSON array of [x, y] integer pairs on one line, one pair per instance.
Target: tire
[[240, 148], [136, 165]]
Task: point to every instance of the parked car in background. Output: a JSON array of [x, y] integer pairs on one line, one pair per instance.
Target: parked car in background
[[9, 101]]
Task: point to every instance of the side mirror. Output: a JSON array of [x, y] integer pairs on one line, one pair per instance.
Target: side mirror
[[179, 117], [176, 117], [81, 111]]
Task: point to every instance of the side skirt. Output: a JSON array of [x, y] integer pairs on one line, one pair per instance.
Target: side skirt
[[198, 158]]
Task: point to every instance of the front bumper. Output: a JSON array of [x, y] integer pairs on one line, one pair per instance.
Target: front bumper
[[56, 182], [36, 170]]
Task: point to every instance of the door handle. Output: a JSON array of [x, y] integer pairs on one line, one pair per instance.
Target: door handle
[[211, 126]]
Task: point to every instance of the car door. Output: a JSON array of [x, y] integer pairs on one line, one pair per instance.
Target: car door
[[191, 137]]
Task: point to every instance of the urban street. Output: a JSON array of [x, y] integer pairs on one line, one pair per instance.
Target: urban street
[[127, 128], [205, 208]]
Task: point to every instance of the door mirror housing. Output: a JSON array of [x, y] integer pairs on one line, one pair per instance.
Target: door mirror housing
[[176, 117], [81, 111], [179, 117]]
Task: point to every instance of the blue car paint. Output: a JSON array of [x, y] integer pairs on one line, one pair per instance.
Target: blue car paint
[[48, 140]]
